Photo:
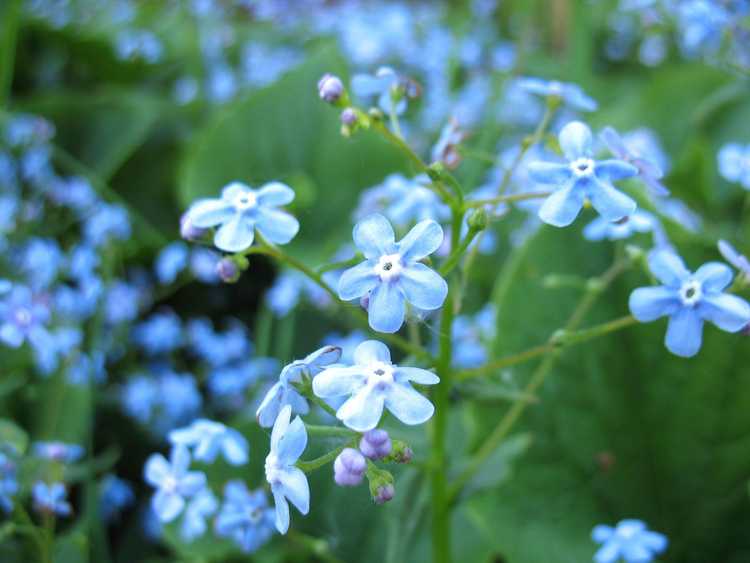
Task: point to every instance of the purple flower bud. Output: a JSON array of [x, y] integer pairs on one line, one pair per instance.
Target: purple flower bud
[[348, 117], [188, 231], [227, 270], [330, 88], [349, 468], [384, 494], [375, 444]]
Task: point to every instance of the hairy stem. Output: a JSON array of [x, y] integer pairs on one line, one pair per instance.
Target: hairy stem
[[318, 462]]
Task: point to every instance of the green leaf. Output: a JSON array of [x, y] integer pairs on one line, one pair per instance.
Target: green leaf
[[14, 435]]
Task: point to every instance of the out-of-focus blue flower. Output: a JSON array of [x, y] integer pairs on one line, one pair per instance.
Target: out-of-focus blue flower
[[245, 516], [689, 299], [241, 210], [229, 384], [208, 438], [734, 164], [115, 495], [185, 90], [83, 262], [198, 509], [286, 291], [58, 451], [86, 368], [648, 169], [162, 401], [283, 392], [676, 210], [107, 222], [736, 259], [346, 342], [582, 178], [159, 334], [446, 147], [392, 274], [173, 482], [264, 64], [218, 348], [638, 222], [36, 166], [23, 130], [23, 317], [122, 301], [172, 260], [403, 201], [221, 83], [40, 260], [372, 384], [138, 44], [288, 482], [51, 498], [74, 192], [8, 482], [203, 263], [471, 335], [572, 94], [386, 85], [701, 24], [630, 541]]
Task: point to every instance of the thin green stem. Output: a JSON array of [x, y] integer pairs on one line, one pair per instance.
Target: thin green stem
[[394, 121], [341, 265], [507, 361], [510, 198], [318, 462], [458, 253], [319, 430]]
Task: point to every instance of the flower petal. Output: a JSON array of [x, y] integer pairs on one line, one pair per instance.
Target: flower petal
[[363, 410], [357, 281], [562, 207], [296, 488], [423, 287], [728, 312], [552, 173], [714, 276], [277, 226], [609, 202], [293, 443], [421, 241], [374, 236], [417, 375], [282, 509], [602, 533], [180, 460], [649, 303], [668, 268], [233, 190], [576, 140], [157, 468], [366, 85], [613, 170], [269, 408], [608, 553], [235, 235], [371, 351], [206, 213], [191, 483], [338, 381], [235, 448], [274, 194], [408, 405], [280, 426], [684, 333], [387, 309], [167, 506]]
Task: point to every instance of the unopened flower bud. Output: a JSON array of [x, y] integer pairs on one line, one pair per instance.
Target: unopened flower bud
[[349, 468], [401, 452], [348, 117], [375, 444], [227, 270], [478, 220], [330, 88], [384, 494], [188, 231]]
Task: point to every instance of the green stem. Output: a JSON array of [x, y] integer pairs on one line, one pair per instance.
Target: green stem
[[341, 265], [505, 199], [318, 462], [458, 253], [319, 430], [263, 327], [11, 16], [394, 121]]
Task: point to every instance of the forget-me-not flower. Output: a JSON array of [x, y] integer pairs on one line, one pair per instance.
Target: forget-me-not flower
[[245, 516], [283, 392], [58, 451], [734, 164], [200, 507], [209, 438], [648, 169], [582, 178], [392, 273], [172, 260], [288, 482], [241, 210], [51, 498], [115, 494], [173, 481], [689, 299], [372, 384], [639, 222], [572, 94], [23, 317], [630, 542]]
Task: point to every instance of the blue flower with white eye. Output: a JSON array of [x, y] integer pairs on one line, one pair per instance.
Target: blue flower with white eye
[[245, 516], [23, 317], [739, 261], [52, 499], [241, 210], [283, 392], [688, 299], [172, 260], [638, 222], [648, 168], [580, 179], [734, 164], [58, 451], [572, 94], [288, 482], [630, 541], [173, 481], [209, 438], [384, 84], [392, 274], [200, 507], [372, 384]]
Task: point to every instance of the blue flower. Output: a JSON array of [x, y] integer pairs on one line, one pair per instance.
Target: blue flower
[[23, 317], [107, 222], [216, 348], [286, 291], [208, 438], [203, 262], [228, 384], [471, 335], [403, 201], [51, 498], [288, 482], [241, 210], [571, 94], [245, 516], [392, 273], [122, 302], [630, 541], [638, 222], [739, 261], [58, 451], [115, 494], [200, 507], [283, 392], [40, 260], [173, 481], [371, 385], [688, 300], [648, 168], [159, 334], [734, 164], [386, 85], [580, 179], [170, 262], [8, 482], [347, 343]]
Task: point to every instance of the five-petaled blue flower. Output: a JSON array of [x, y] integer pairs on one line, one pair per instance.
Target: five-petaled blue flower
[[580, 179], [689, 300], [372, 384], [392, 273], [245, 516], [630, 541], [173, 481], [208, 438], [51, 498], [288, 482], [241, 210], [572, 94], [283, 392]]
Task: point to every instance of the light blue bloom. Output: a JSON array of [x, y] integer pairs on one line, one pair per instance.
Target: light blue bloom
[[572, 94], [646, 161], [159, 334], [734, 164], [209, 438], [245, 516], [172, 260], [392, 274], [107, 222], [203, 263], [241, 210], [347, 343], [218, 348], [115, 495], [8, 482], [471, 337], [288, 482], [688, 300], [228, 385], [173, 482], [198, 509], [676, 210], [52, 498], [23, 317], [122, 301], [372, 384], [40, 260], [403, 201], [739, 261], [630, 542], [284, 394], [580, 179], [638, 222], [289, 286], [386, 85], [58, 451]]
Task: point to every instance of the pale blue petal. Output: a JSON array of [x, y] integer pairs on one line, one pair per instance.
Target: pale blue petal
[[157, 468], [731, 158], [602, 533], [191, 483], [293, 443], [233, 190], [597, 229], [614, 143], [423, 287], [323, 356], [562, 207], [613, 170], [421, 241], [714, 276], [417, 375], [365, 85], [649, 303], [274, 194], [668, 268], [206, 213], [371, 351], [608, 553], [387, 309], [11, 335], [684, 333], [179, 459], [296, 488], [280, 427], [551, 173], [235, 448], [235, 235], [167, 506], [363, 410], [576, 140], [337, 382], [406, 404], [357, 281], [609, 202], [374, 236], [276, 226], [269, 408], [654, 541], [282, 509], [728, 312]]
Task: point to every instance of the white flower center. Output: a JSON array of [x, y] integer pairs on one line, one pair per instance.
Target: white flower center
[[582, 167], [381, 375], [389, 267], [273, 468], [23, 316], [555, 88], [691, 292], [169, 484], [245, 201]]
